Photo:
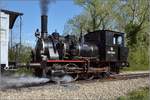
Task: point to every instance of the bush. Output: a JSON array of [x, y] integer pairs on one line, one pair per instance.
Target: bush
[[138, 58]]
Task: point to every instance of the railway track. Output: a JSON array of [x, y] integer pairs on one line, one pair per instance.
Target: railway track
[[114, 77], [130, 76], [117, 77]]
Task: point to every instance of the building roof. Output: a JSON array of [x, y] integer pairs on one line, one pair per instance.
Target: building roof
[[12, 16]]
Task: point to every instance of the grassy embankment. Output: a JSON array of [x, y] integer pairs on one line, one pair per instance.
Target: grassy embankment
[[141, 94], [136, 68]]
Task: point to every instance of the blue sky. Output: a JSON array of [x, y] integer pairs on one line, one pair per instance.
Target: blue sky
[[59, 12]]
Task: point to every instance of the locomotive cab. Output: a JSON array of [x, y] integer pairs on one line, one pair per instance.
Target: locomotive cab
[[111, 46]]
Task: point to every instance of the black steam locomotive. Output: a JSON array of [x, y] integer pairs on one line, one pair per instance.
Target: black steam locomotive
[[96, 53]]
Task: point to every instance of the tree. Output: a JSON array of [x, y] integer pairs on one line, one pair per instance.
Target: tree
[[96, 16], [97, 10], [77, 24], [132, 17]]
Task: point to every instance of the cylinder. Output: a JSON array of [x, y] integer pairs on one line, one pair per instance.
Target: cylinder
[[43, 25], [87, 50]]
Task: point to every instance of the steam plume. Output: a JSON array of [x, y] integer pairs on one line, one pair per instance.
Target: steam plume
[[12, 81], [44, 6]]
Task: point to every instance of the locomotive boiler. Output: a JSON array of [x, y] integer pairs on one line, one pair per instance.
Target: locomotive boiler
[[101, 52]]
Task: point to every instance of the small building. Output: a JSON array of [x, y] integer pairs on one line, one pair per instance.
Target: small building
[[7, 20]]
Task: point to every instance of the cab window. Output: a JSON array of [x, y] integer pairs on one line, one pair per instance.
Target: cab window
[[118, 40]]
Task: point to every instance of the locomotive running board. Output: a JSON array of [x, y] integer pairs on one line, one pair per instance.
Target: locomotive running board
[[66, 61]]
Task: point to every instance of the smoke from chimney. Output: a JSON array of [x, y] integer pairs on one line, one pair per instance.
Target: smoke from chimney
[[44, 6]]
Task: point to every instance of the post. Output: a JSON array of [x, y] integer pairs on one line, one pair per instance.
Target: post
[[20, 37], [11, 39]]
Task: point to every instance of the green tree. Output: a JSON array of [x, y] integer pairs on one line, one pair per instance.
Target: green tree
[[96, 15], [77, 25], [132, 18], [98, 11]]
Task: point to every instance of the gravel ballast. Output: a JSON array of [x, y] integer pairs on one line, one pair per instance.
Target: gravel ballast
[[95, 90]]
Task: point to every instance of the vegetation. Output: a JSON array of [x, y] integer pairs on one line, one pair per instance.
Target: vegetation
[[21, 54], [128, 16], [24, 71], [141, 94]]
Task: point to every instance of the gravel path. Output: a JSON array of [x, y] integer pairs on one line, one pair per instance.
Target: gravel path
[[97, 90]]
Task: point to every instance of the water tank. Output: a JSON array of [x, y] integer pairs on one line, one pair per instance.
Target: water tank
[[4, 38]]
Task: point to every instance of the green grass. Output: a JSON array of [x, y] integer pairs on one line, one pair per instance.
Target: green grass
[[141, 94], [136, 68]]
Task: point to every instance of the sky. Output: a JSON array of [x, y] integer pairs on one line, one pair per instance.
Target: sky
[[58, 14]]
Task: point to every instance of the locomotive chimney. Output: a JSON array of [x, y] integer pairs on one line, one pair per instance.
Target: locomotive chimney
[[43, 26]]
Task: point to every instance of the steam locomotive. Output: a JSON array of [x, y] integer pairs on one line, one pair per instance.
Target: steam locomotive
[[97, 53]]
